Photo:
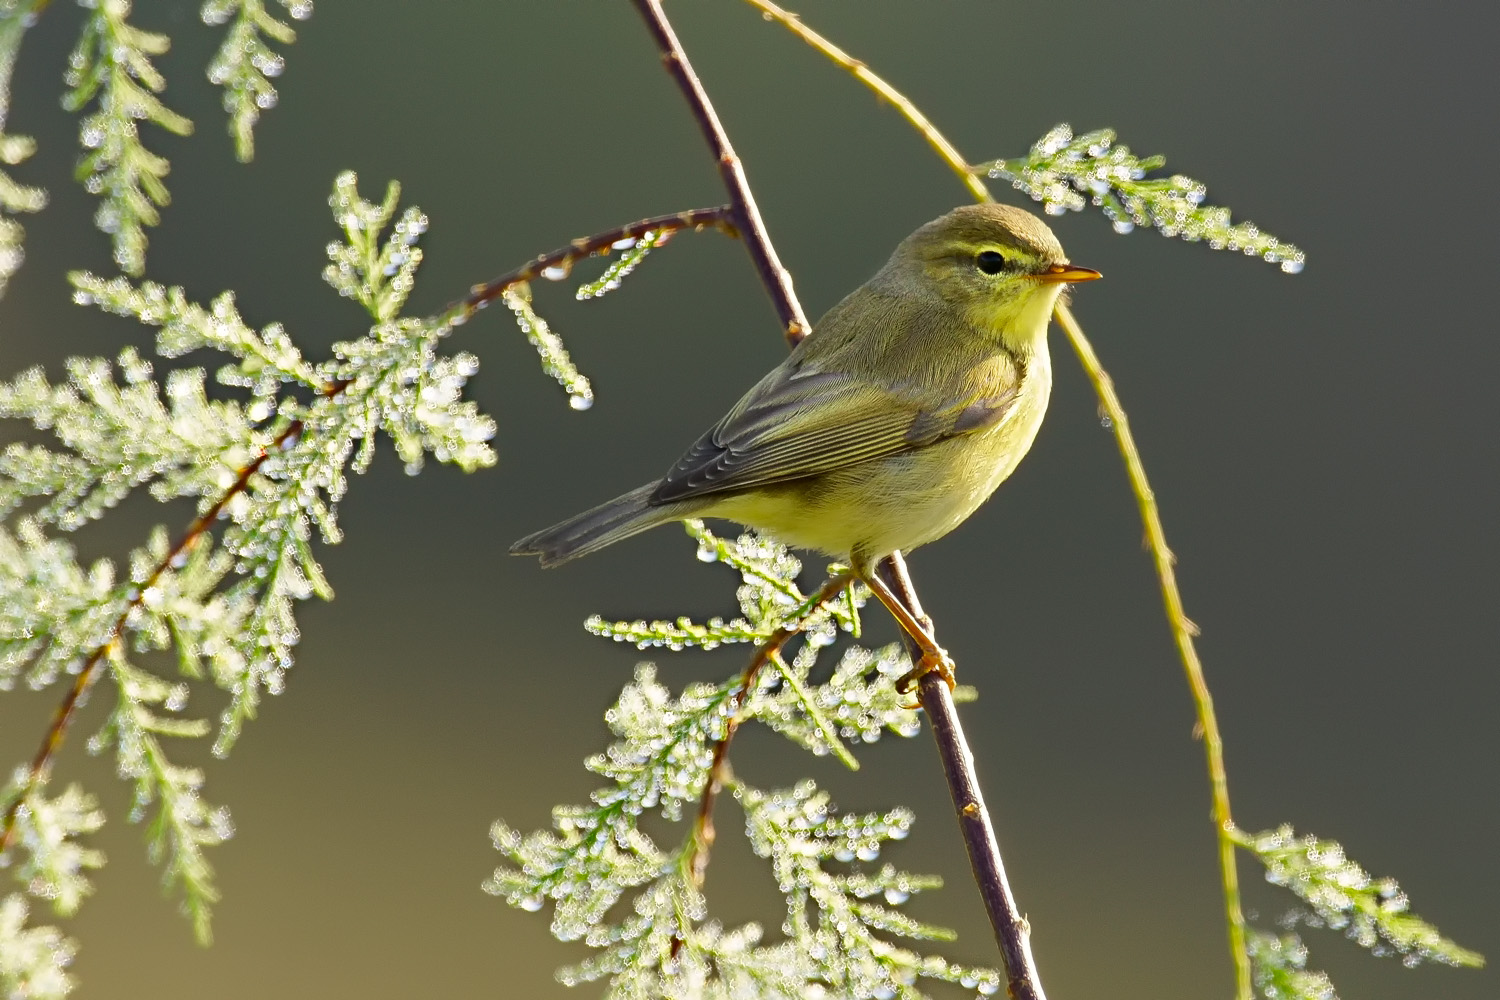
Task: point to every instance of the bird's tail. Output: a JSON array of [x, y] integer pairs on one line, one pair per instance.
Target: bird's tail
[[594, 529]]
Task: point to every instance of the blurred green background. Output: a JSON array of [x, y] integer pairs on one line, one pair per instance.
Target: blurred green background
[[1323, 447]]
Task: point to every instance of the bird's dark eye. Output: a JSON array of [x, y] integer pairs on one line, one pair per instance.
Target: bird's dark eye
[[990, 261]]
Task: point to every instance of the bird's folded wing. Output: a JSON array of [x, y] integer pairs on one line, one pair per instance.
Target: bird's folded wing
[[800, 424]]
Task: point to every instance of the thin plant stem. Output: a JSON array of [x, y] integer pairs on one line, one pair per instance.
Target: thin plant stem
[[1010, 927], [1183, 629], [939, 143]]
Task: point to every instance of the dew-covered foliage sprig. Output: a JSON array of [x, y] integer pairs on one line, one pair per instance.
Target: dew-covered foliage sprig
[[668, 753], [53, 869], [1280, 969], [111, 67], [245, 64], [15, 17], [556, 361], [768, 597], [269, 465], [1340, 895], [34, 961], [633, 242], [1066, 172]]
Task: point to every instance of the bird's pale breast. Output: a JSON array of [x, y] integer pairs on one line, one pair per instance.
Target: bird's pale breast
[[901, 501]]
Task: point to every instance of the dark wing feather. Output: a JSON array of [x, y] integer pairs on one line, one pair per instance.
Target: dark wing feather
[[800, 423]]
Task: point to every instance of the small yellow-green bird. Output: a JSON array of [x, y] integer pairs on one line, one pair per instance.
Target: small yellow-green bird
[[903, 410]]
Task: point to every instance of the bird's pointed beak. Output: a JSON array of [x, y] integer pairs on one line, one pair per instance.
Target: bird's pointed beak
[[1059, 273]]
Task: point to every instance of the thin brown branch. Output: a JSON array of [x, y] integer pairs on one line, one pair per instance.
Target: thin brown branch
[[773, 275], [1012, 930], [984, 853], [560, 262]]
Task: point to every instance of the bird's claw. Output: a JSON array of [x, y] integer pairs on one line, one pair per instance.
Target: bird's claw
[[935, 662]]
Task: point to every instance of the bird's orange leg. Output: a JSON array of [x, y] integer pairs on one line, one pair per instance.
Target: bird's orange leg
[[934, 659]]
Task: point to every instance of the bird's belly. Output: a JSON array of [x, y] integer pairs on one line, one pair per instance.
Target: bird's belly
[[898, 502]]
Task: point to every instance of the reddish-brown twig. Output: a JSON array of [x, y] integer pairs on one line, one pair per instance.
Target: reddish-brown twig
[[1012, 931], [773, 275], [562, 259]]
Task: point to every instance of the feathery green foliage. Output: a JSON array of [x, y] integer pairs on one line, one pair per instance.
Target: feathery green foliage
[[15, 17], [1280, 964], [1065, 173], [620, 268], [184, 824], [549, 346], [273, 465], [112, 63], [839, 914], [245, 64], [117, 435], [1340, 895], [34, 960], [55, 864]]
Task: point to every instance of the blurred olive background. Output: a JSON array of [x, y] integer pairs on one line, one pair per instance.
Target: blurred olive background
[[1322, 445]]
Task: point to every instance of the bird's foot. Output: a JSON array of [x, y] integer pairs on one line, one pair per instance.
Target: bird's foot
[[935, 661]]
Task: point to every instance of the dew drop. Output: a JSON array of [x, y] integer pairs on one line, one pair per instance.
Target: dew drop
[[556, 272], [578, 401], [1293, 265]]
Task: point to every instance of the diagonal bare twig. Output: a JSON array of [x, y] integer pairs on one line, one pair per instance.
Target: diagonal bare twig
[[777, 279], [1011, 929]]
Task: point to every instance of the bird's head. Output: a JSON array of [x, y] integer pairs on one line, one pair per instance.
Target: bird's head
[[999, 266]]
